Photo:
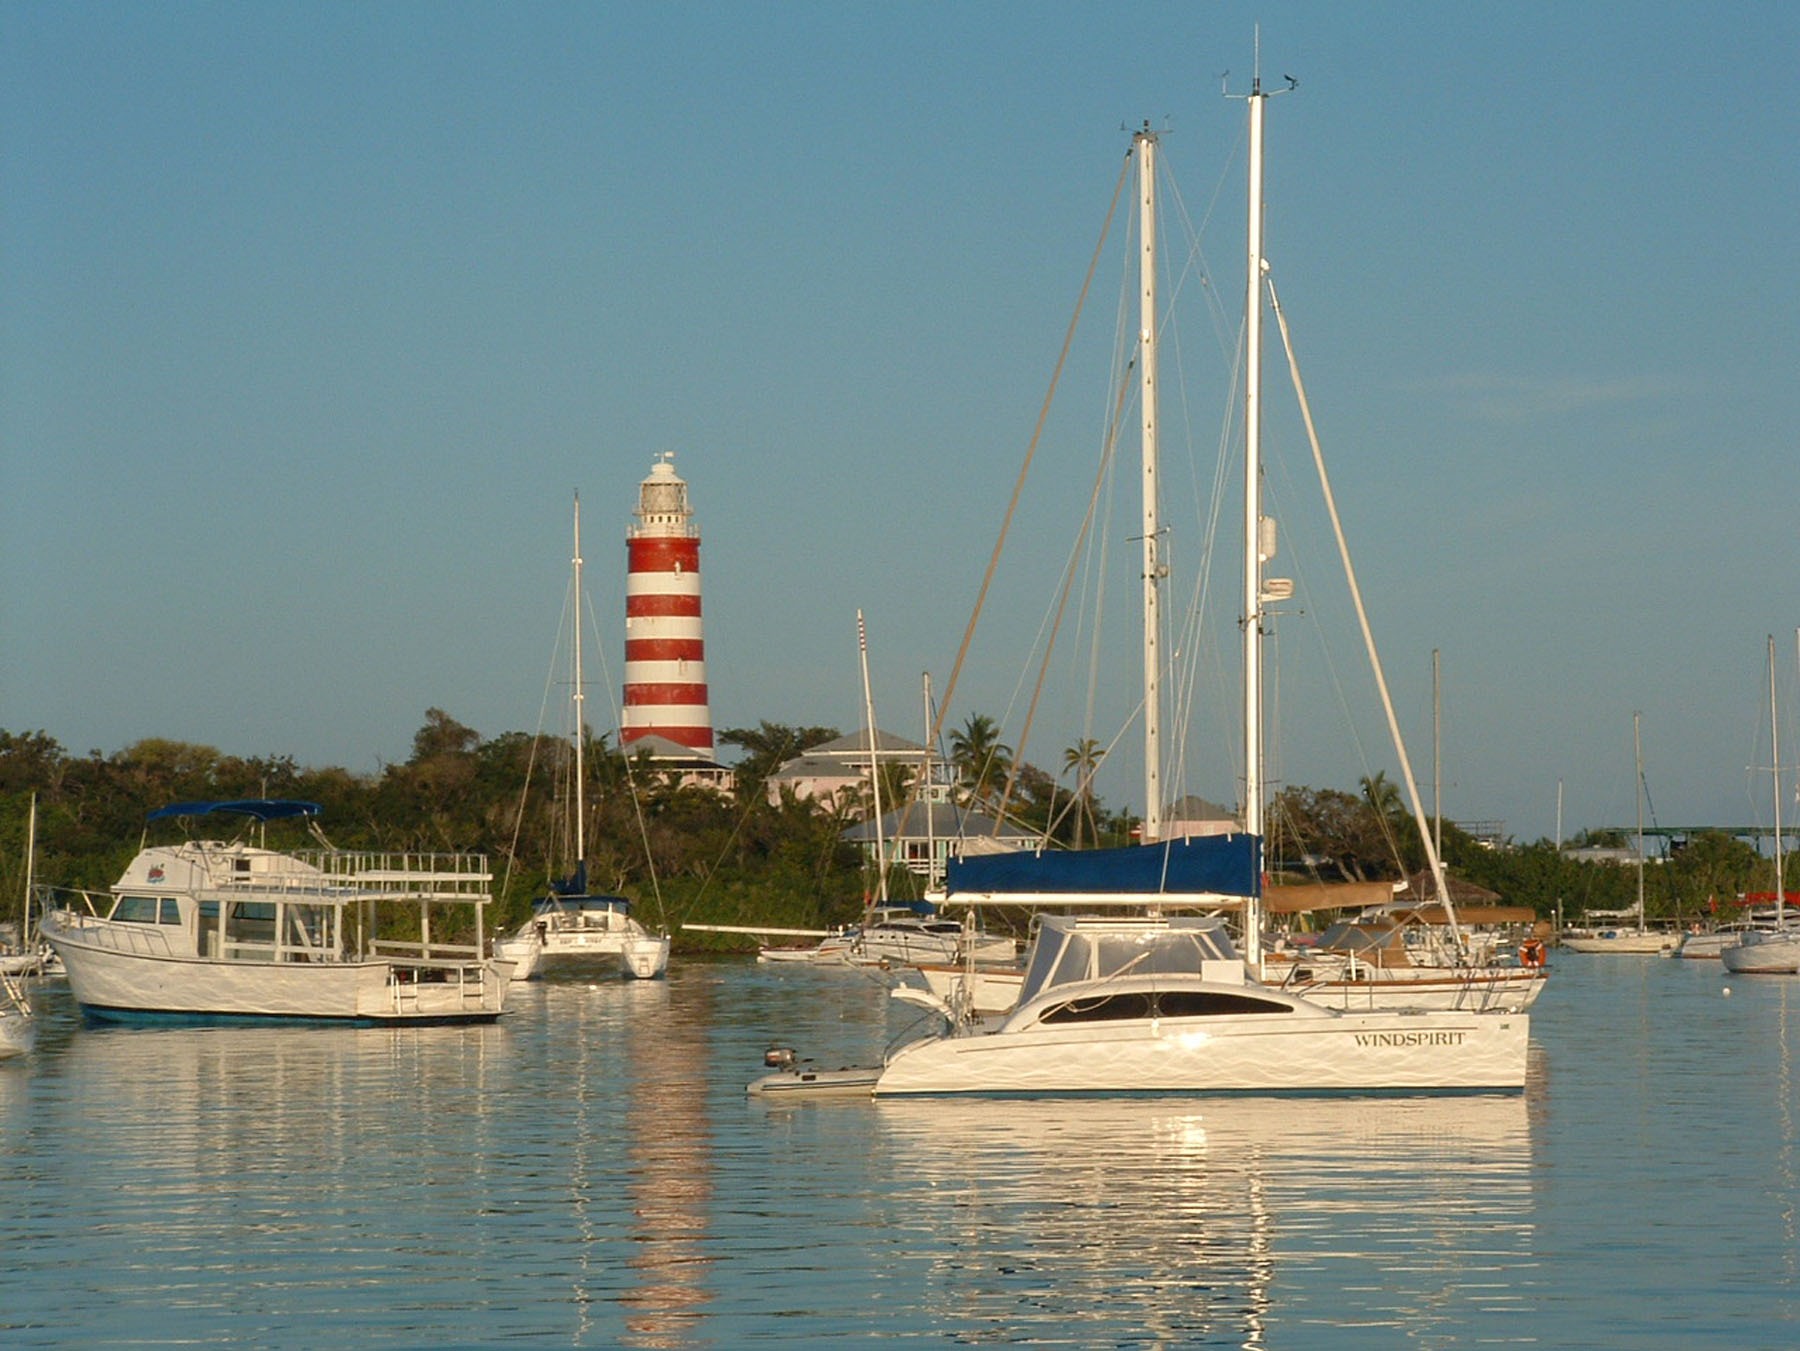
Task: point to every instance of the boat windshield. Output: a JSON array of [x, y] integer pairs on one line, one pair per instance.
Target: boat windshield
[[1067, 951]]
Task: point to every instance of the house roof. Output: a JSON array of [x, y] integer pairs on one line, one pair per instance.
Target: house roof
[[857, 742], [1191, 808], [661, 750], [816, 767]]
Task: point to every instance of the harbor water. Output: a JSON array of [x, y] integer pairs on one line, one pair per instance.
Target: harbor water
[[588, 1172]]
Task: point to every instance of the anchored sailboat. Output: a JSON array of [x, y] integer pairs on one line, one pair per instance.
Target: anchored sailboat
[[570, 927], [1129, 997]]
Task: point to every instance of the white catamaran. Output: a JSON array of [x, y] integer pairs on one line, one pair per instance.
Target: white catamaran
[[570, 928], [1129, 997]]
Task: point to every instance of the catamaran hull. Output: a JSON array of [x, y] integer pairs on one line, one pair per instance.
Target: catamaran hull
[[125, 986], [1349, 1053]]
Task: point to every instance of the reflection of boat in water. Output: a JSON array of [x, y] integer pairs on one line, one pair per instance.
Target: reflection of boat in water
[[1230, 1215], [18, 1023], [228, 930]]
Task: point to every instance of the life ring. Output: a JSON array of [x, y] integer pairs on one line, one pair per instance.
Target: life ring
[[1531, 952]]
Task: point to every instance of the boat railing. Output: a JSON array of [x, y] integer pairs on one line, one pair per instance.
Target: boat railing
[[339, 877], [429, 955], [140, 940]]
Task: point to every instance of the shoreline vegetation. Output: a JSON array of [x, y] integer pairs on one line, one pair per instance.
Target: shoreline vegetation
[[692, 855]]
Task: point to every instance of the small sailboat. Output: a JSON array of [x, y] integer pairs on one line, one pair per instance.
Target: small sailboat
[[1624, 932], [571, 928], [1776, 949]]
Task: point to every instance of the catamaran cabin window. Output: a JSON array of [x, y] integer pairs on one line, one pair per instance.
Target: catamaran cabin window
[[1102, 1009], [1212, 1004]]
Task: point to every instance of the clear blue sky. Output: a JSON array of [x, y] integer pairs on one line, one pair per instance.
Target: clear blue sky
[[313, 316]]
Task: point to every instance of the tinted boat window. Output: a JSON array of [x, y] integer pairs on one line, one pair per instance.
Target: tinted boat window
[[1212, 1004], [1105, 1008]]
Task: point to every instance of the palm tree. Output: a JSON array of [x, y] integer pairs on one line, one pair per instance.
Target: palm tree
[[979, 755], [1083, 758]]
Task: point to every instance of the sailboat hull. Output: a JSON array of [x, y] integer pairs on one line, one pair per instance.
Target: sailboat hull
[[1764, 954]]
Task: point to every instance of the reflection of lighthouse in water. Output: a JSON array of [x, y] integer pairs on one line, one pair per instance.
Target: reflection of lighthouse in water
[[665, 653]]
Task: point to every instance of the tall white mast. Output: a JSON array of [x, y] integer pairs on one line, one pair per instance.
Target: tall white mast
[[1253, 520], [1775, 760], [1637, 743], [1144, 142], [862, 645], [580, 717]]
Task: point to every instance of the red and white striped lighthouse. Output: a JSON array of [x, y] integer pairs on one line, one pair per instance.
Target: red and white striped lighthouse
[[665, 653]]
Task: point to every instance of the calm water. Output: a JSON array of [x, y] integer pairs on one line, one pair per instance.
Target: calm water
[[589, 1173]]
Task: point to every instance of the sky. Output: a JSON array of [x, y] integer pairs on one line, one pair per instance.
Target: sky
[[314, 317]]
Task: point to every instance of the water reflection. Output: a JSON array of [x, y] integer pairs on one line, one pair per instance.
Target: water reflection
[[1197, 1222], [669, 1152]]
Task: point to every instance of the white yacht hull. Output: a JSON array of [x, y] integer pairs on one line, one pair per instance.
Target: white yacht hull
[[111, 980], [1344, 1053]]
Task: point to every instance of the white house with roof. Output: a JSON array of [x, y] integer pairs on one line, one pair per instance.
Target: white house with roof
[[924, 836], [824, 771]]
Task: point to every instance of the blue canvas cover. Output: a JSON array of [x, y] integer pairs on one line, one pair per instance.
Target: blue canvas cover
[[1230, 865], [261, 808]]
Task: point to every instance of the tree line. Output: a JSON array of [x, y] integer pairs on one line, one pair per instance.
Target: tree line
[[689, 854]]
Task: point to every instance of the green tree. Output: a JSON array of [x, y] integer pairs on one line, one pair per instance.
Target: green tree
[[981, 758], [1083, 760]]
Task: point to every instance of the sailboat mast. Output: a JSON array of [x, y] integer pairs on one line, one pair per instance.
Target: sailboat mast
[[1253, 528], [1775, 760], [1145, 145], [862, 645], [1637, 743], [580, 696], [31, 867]]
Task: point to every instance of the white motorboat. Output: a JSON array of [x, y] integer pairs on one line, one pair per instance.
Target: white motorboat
[[570, 929], [214, 930], [1774, 951], [1140, 1004]]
